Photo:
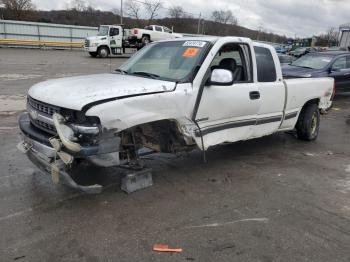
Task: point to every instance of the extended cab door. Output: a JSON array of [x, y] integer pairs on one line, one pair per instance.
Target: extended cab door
[[272, 90], [227, 113]]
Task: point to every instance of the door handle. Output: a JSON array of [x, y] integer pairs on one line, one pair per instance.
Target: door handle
[[254, 95]]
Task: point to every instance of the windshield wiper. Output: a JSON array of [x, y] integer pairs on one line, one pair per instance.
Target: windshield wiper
[[123, 72], [154, 76]]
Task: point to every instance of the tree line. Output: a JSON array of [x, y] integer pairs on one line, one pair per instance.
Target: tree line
[[137, 13]]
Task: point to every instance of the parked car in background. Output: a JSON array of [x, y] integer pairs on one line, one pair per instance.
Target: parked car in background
[[303, 51], [280, 49], [286, 59], [334, 64]]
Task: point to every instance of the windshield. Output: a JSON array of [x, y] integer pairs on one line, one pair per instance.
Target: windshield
[[313, 61], [102, 31], [172, 61]]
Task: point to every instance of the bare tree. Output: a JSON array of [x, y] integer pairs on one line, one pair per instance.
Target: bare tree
[[17, 7], [176, 12], [133, 10], [152, 8], [332, 36], [224, 17], [79, 5]]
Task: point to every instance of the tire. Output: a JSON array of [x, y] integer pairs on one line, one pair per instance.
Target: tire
[[93, 54], [145, 40], [308, 123], [103, 52]]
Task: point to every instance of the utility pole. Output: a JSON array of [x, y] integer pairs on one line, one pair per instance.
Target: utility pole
[[121, 12], [199, 23]]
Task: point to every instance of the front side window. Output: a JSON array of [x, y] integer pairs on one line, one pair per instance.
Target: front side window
[[172, 61], [114, 31], [232, 57], [265, 65]]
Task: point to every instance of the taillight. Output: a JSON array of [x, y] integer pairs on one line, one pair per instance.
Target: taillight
[[136, 31], [333, 94]]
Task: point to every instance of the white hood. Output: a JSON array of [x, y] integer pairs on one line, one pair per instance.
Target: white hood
[[96, 38], [76, 92]]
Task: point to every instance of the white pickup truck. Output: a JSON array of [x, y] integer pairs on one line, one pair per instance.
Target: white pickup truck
[[171, 96], [154, 33]]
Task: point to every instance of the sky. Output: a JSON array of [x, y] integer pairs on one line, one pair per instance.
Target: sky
[[293, 18]]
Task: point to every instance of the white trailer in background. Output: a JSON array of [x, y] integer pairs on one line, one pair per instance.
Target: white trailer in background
[[344, 40]]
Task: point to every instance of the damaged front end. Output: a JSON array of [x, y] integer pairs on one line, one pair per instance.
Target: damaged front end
[[55, 139]]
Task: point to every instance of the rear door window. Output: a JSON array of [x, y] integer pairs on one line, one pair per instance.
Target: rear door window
[[265, 65]]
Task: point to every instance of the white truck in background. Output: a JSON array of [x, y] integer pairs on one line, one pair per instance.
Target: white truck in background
[[154, 33], [117, 40], [171, 96]]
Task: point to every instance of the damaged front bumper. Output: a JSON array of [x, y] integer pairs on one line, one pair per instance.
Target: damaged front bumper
[[55, 155]]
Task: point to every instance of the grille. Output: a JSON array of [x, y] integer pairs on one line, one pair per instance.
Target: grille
[[44, 126], [45, 110], [87, 43], [43, 107]]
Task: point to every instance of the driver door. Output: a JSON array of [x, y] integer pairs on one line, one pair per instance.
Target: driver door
[[116, 39], [228, 113]]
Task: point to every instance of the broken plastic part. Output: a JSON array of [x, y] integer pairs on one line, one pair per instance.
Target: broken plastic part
[[56, 143], [65, 133], [65, 157]]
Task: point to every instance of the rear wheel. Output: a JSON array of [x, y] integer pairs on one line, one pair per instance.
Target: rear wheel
[[103, 52], [145, 40], [308, 123], [93, 54]]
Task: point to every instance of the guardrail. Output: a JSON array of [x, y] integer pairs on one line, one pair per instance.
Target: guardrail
[[40, 43], [43, 35]]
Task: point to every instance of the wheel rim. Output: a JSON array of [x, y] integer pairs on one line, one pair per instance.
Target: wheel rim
[[103, 52], [314, 122]]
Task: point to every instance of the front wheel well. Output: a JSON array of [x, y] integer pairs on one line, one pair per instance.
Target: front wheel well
[[161, 136], [103, 46]]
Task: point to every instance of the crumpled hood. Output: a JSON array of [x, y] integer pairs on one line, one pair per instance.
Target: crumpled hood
[[76, 92]]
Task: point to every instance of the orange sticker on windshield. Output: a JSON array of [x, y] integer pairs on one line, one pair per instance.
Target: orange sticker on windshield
[[190, 52]]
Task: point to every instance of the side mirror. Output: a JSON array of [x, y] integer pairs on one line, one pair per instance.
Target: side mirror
[[221, 77]]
